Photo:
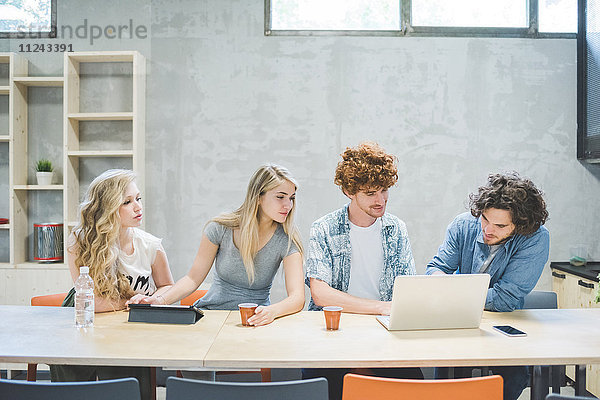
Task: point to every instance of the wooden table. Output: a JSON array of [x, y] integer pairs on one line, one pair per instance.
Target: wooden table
[[48, 335], [554, 337]]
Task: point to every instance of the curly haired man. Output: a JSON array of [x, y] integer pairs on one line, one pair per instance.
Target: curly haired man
[[356, 252], [502, 236]]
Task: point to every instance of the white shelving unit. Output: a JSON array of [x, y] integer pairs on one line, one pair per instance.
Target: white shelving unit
[[20, 189], [21, 278], [73, 116]]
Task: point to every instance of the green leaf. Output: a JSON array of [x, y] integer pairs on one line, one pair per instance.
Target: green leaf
[[44, 165]]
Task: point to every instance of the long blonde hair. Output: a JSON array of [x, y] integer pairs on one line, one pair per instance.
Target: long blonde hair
[[245, 218], [96, 236]]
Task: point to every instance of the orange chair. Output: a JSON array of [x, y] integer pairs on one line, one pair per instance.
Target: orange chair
[[359, 387], [192, 298], [265, 373], [49, 300], [56, 300]]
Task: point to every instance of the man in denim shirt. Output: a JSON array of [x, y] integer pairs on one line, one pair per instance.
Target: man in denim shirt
[[356, 252], [502, 236]]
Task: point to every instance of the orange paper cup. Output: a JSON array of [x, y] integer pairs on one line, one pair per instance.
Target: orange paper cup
[[246, 311], [332, 317]]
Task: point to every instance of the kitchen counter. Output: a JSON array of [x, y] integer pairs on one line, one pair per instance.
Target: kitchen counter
[[588, 271]]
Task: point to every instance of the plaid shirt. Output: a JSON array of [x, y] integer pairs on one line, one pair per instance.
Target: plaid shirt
[[329, 253]]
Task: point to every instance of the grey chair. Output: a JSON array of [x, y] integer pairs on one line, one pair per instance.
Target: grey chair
[[188, 389], [540, 299], [116, 389], [554, 396]]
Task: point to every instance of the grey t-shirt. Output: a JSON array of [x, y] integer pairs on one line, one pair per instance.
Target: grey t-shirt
[[230, 286]]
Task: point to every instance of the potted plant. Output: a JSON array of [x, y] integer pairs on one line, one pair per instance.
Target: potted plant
[[44, 172]]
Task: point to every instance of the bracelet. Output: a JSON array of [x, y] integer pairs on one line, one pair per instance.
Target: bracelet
[[161, 299]]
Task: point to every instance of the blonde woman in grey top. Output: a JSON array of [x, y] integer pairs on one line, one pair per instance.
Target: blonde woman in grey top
[[247, 247]]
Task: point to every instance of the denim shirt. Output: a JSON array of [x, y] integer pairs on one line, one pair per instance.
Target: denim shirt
[[514, 271], [329, 253]]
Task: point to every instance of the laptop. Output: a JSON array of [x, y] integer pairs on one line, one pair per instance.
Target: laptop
[[437, 302]]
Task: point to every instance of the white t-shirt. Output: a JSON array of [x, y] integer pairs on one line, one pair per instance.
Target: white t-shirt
[[367, 260], [137, 266]]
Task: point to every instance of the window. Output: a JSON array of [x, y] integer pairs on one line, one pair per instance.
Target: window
[[335, 14], [27, 18], [514, 18], [472, 13], [558, 16]]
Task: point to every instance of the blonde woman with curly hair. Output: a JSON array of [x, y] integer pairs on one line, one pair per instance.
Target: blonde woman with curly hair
[[122, 258], [247, 247]]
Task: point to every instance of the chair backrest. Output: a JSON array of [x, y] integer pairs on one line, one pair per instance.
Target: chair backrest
[[554, 396], [358, 387], [540, 299], [117, 389], [51, 300], [187, 389], [192, 298]]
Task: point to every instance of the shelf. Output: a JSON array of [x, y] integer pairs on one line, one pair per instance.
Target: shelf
[[107, 116], [42, 81], [101, 153], [104, 56], [76, 155], [37, 265], [38, 187]]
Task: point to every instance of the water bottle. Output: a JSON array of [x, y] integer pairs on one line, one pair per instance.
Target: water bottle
[[84, 299]]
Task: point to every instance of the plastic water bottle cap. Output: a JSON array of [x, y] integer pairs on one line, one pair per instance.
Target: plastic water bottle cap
[[84, 270]]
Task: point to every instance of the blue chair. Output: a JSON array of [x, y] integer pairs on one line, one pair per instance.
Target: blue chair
[[188, 389], [116, 389]]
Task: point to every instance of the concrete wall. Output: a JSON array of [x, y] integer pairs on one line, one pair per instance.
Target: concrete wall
[[223, 98]]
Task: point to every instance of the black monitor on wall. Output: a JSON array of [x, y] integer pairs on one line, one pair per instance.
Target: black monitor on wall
[[588, 81]]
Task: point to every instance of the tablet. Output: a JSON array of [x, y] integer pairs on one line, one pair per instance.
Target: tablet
[[164, 314]]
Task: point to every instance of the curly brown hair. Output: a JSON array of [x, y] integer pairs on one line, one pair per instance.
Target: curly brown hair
[[367, 166], [515, 194]]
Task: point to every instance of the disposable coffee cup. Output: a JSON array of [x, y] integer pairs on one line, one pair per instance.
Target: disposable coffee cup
[[332, 317], [246, 311]]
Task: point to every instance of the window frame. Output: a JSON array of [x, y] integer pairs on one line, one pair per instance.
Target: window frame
[[407, 30], [37, 34]]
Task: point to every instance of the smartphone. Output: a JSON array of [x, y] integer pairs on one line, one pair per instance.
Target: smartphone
[[509, 330]]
